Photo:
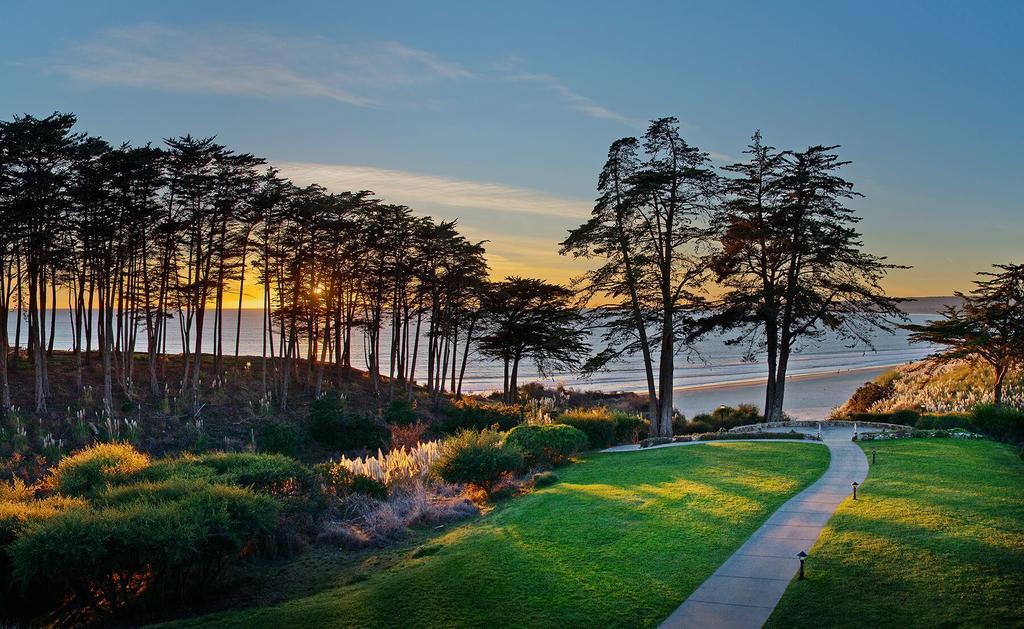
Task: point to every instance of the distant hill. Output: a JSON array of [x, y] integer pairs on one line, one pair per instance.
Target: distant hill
[[929, 305]]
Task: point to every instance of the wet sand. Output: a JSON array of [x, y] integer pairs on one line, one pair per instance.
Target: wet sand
[[809, 396]]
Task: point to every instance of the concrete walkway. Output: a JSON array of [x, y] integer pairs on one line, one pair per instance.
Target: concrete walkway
[[746, 588]]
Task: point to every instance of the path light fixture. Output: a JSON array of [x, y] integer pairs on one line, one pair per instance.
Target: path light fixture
[[855, 485], [873, 453], [802, 555]]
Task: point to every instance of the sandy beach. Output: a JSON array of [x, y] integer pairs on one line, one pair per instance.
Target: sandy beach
[[808, 396]]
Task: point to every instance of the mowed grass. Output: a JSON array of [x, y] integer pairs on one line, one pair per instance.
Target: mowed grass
[[935, 539], [620, 541]]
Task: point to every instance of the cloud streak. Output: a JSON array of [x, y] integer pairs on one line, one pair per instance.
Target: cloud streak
[[418, 189], [573, 100], [252, 63]]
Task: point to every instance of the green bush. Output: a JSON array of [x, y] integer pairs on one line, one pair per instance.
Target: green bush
[[278, 438], [944, 422], [999, 422], [400, 411], [630, 428], [722, 418], [93, 469], [276, 475], [107, 557], [866, 395], [544, 479], [468, 415], [597, 423], [363, 484], [476, 458], [340, 482], [333, 425], [679, 424], [548, 444], [904, 417]]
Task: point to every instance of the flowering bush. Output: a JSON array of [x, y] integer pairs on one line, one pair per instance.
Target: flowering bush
[[397, 466], [956, 386]]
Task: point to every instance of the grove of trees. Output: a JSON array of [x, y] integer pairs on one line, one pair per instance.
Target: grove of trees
[[141, 244]]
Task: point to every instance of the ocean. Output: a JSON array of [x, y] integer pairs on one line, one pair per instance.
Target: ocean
[[823, 374]]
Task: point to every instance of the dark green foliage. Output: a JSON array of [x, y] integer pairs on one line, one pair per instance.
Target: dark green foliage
[[945, 422], [362, 484], [679, 424], [544, 479], [866, 395], [629, 428], [548, 444], [400, 411], [93, 469], [904, 417], [597, 423], [477, 458], [140, 544], [999, 422], [276, 475], [278, 438], [472, 416], [335, 426], [723, 417]]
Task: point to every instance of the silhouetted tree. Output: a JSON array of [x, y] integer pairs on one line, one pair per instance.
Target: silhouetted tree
[[649, 227], [531, 319], [989, 325], [792, 262]]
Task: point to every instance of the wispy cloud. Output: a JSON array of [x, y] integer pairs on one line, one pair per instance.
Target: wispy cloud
[[253, 63], [418, 190], [572, 100]]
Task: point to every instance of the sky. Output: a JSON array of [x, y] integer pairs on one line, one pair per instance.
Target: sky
[[501, 114]]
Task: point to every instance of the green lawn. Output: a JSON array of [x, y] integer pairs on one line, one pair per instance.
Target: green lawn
[[936, 538], [620, 541]]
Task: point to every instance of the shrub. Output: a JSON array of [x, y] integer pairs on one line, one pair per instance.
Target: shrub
[[547, 444], [476, 458], [333, 425], [400, 411], [629, 428], [272, 474], [944, 422], [904, 417], [544, 479], [597, 423], [278, 438], [91, 470], [108, 556], [999, 422], [396, 466], [340, 482], [469, 415], [866, 395], [722, 418], [408, 435], [679, 424], [367, 486]]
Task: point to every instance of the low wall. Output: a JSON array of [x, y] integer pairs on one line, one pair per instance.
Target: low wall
[[807, 423]]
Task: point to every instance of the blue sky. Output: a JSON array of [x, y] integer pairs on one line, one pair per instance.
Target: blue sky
[[501, 113]]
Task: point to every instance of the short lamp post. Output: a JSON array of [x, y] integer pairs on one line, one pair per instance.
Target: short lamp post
[[802, 555], [855, 485], [873, 453]]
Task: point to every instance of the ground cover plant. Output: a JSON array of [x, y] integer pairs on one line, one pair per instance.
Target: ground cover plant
[[111, 529], [936, 538], [619, 540]]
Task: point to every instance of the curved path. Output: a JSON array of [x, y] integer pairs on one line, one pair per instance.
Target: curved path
[[746, 588]]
